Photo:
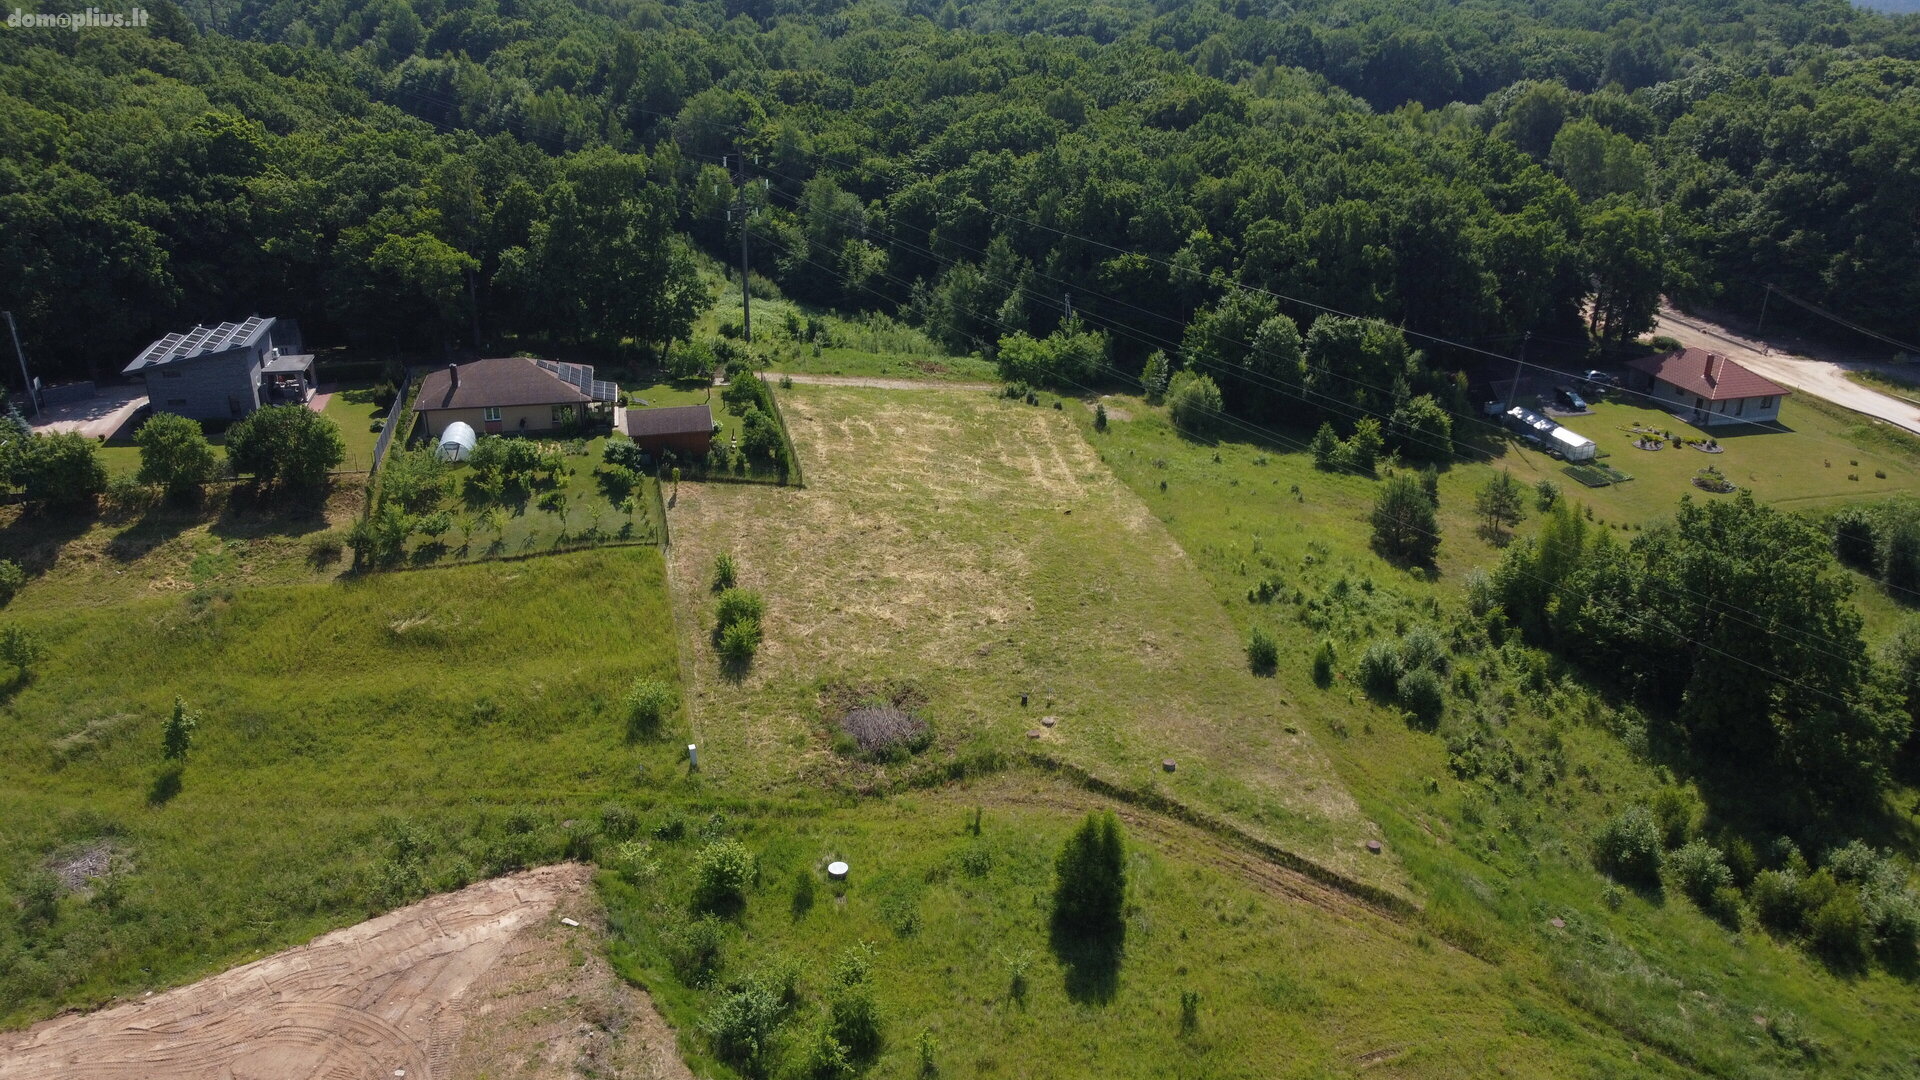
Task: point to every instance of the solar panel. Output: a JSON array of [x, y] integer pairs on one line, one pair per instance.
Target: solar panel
[[580, 377]]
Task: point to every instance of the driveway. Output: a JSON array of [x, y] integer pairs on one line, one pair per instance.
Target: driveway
[[1819, 377], [96, 417]]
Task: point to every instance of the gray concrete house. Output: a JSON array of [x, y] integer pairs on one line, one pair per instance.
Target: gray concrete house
[[225, 372]]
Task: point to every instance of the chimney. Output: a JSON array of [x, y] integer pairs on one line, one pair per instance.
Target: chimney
[[1713, 369], [453, 372]]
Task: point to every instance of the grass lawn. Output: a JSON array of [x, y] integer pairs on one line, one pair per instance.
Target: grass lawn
[[960, 550], [354, 411], [1810, 464], [1495, 855], [525, 526], [359, 744], [1291, 982]]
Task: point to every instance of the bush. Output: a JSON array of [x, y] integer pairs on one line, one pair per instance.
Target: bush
[[1193, 403], [1424, 697], [648, 703], [1380, 669], [854, 1019], [694, 950], [624, 454], [741, 1026], [1700, 871], [1090, 885], [289, 444], [1674, 810], [1628, 847], [174, 454], [1837, 930], [1421, 647], [721, 873], [416, 481], [1323, 660], [11, 578], [618, 822], [1263, 652], [61, 470], [737, 605], [1775, 895], [725, 573], [825, 1057], [739, 641]]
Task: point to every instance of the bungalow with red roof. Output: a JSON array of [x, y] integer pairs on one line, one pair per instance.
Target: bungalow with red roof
[[1706, 388], [513, 395]]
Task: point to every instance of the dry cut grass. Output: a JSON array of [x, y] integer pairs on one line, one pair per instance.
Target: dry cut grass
[[977, 550]]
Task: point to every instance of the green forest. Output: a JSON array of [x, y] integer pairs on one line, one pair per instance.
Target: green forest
[[455, 173]]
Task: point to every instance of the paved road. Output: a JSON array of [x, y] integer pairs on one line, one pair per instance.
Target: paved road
[[1822, 378]]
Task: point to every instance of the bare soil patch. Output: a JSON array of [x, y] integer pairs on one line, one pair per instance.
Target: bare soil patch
[[484, 981]]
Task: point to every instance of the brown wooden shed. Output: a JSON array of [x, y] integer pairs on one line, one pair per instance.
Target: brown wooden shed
[[687, 430]]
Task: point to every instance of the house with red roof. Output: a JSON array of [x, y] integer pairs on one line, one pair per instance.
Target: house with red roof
[[1707, 389]]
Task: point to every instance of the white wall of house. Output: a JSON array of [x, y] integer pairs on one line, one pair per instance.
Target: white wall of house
[[1704, 413]]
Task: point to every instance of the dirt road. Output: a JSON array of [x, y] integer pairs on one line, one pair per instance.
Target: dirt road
[[483, 981], [1822, 378]]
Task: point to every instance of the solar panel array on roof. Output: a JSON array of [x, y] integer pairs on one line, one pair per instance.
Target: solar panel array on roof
[[580, 377], [200, 341]]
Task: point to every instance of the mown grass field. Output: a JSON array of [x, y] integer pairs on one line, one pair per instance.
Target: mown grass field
[[957, 550], [1496, 853], [360, 743], [1292, 981], [1824, 457]]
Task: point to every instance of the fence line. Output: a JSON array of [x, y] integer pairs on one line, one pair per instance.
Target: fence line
[[799, 478], [660, 508]]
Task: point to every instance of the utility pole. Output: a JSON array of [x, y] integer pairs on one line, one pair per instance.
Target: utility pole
[[1513, 388], [26, 379], [740, 180], [1761, 326]]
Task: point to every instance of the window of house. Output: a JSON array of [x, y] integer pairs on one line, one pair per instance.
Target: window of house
[[1740, 407], [491, 412], [1766, 403], [562, 413]]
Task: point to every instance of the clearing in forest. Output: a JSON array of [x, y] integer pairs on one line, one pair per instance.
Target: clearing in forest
[[955, 551]]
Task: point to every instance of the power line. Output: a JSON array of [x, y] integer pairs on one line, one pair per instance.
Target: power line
[[1759, 624]]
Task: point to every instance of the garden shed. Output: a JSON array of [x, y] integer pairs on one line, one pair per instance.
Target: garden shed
[[456, 442]]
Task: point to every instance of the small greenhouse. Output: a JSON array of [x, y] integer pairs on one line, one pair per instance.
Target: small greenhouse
[[1572, 445], [456, 442]]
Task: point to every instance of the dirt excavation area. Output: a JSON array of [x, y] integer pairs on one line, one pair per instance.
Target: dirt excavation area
[[485, 982]]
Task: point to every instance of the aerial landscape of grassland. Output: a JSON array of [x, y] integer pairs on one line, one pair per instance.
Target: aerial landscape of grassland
[[956, 550], [1293, 979], [1492, 811], [360, 743]]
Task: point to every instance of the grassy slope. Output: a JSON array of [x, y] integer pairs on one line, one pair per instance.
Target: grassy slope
[[874, 347], [76, 561], [445, 698], [1808, 466], [972, 549], [1288, 987], [1495, 861]]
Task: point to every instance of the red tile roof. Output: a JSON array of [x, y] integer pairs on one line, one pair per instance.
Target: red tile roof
[[1708, 375]]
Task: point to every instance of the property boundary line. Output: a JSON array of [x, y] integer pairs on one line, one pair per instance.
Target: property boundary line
[[799, 478]]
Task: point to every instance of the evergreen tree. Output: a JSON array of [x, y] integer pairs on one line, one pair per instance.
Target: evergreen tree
[[1404, 527], [1090, 887]]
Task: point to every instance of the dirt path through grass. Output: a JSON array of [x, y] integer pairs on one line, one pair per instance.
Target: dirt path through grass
[[477, 982]]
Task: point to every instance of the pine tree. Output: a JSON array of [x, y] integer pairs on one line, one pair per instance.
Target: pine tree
[[1404, 528], [1090, 889], [1326, 447]]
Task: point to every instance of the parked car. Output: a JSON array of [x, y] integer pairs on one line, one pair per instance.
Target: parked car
[[1600, 379], [1569, 399]]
